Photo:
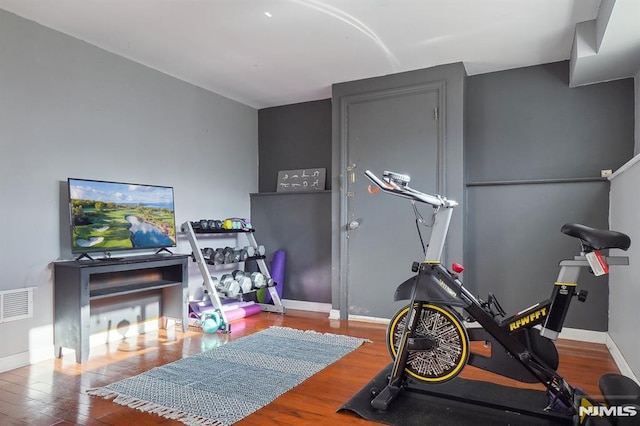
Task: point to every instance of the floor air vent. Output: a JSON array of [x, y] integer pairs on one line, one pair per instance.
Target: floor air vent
[[16, 304]]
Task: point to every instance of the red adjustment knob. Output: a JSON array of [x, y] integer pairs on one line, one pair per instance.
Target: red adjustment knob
[[457, 268]]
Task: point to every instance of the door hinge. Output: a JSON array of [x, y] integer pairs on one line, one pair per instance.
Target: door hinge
[[435, 114]]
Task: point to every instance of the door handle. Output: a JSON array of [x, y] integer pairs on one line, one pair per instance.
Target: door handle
[[353, 225]]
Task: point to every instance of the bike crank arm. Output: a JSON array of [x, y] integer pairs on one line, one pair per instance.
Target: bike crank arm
[[382, 399]]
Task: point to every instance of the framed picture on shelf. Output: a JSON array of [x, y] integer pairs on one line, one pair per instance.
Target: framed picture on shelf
[[301, 180]]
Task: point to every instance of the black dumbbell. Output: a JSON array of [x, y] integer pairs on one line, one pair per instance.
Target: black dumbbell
[[242, 254], [228, 254], [208, 254], [218, 257]]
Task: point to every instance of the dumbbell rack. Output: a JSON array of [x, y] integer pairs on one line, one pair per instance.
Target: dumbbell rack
[[198, 257]]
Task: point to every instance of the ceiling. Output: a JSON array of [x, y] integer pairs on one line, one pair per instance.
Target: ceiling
[[267, 53]]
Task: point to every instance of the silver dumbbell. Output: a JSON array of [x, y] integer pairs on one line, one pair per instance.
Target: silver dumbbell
[[258, 280], [245, 284], [218, 285], [241, 254], [230, 287]]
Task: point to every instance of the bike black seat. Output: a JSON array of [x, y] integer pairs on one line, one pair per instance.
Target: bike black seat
[[598, 239]]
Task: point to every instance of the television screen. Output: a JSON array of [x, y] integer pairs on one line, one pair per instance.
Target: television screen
[[110, 216]]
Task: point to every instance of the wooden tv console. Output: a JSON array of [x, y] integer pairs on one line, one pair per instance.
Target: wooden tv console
[[77, 283]]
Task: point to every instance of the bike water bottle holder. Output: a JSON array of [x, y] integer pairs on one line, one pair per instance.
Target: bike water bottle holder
[[493, 307]]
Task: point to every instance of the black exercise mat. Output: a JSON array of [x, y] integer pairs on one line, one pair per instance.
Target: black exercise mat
[[419, 409]]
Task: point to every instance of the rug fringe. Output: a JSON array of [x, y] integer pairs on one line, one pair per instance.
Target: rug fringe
[[148, 407], [277, 327]]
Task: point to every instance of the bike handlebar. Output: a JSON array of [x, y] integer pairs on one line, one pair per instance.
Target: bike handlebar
[[397, 184]]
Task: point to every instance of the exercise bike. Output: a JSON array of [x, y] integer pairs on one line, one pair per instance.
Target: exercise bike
[[429, 340]]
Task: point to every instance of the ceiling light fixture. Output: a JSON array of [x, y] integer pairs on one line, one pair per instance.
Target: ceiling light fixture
[[268, 14]]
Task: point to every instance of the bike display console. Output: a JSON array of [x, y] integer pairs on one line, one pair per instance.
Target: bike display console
[[78, 283]]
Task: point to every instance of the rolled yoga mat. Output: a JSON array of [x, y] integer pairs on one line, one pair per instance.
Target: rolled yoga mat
[[241, 312], [197, 308]]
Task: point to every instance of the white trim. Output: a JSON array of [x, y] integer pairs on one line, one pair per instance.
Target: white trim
[[619, 359], [583, 335], [624, 167], [301, 305], [12, 362], [363, 318], [335, 315]]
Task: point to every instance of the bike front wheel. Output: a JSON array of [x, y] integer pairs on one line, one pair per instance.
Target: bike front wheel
[[450, 350]]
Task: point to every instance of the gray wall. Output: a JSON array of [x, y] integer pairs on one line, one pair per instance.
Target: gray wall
[[624, 315], [523, 124], [637, 114], [296, 136], [527, 124], [299, 224], [68, 109], [291, 137]]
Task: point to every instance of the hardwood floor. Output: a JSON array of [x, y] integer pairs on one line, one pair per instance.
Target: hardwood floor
[[52, 392]]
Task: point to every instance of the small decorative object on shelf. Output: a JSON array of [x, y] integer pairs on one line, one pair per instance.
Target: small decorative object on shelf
[[301, 180]]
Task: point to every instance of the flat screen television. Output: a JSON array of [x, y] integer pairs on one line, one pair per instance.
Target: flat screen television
[[116, 216]]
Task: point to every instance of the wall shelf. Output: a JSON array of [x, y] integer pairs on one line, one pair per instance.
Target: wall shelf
[[323, 191]]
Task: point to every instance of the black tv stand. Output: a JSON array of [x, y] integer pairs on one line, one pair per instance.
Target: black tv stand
[[164, 249], [78, 284]]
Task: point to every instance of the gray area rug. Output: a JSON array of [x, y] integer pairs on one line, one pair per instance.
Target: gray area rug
[[227, 383]]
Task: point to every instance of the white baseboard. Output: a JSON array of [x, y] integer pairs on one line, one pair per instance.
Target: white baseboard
[[12, 362], [584, 335], [364, 318], [301, 305], [619, 359], [334, 314]]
